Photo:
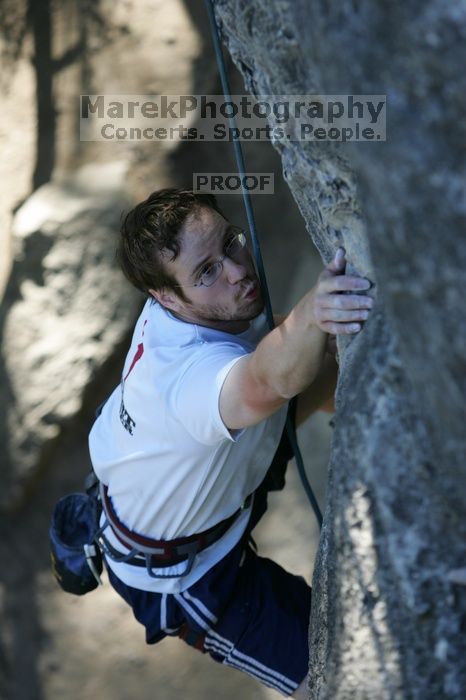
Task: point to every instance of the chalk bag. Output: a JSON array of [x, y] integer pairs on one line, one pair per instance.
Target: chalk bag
[[76, 559]]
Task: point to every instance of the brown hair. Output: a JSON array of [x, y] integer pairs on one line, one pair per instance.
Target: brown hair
[[153, 226]]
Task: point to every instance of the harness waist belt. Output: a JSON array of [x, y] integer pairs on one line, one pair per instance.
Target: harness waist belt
[[163, 552]]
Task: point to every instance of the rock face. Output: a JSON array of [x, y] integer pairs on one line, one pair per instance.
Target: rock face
[[65, 309], [389, 607]]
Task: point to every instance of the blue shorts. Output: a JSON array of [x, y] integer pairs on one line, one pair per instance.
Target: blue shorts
[[246, 612]]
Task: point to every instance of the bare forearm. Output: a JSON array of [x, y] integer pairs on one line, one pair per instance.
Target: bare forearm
[[288, 359]]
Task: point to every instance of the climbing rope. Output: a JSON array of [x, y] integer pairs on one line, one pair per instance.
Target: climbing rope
[[290, 428]]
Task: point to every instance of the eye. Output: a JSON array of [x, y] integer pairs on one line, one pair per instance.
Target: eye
[[208, 273], [205, 270]]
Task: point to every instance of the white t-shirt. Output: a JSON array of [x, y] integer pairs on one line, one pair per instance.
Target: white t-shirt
[[171, 465]]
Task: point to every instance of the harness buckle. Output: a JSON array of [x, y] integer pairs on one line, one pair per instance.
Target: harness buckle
[[191, 549]]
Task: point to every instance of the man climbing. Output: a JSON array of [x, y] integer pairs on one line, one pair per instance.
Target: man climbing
[[184, 443]]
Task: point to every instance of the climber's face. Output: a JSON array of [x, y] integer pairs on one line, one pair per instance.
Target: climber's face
[[218, 283]]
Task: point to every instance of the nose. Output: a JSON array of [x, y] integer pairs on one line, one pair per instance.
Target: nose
[[234, 271]]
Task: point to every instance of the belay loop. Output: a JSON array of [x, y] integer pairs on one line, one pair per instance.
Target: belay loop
[[290, 427]]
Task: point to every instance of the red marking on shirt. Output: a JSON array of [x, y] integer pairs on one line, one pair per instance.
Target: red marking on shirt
[[137, 356]]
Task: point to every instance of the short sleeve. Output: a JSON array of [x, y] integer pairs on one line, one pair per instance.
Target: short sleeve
[[196, 393]]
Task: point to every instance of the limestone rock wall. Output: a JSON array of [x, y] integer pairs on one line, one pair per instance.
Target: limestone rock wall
[[65, 311], [389, 608]]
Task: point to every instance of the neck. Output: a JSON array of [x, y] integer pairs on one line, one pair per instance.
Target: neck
[[234, 327]]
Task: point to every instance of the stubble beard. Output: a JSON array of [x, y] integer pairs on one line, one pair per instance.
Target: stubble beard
[[246, 310]]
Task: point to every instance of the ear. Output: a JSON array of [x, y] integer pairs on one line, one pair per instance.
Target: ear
[[167, 298]]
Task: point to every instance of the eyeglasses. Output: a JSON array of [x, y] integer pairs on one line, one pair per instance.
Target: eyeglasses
[[210, 273]]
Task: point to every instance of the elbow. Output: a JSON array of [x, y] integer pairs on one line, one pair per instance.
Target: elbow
[[268, 387], [261, 398], [274, 394]]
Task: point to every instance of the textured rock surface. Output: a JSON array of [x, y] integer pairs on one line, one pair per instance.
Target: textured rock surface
[[66, 308], [388, 620]]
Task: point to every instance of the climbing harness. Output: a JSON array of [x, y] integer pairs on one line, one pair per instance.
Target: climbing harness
[[290, 427], [77, 539], [150, 553]]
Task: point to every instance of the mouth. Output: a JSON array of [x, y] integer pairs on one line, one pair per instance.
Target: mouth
[[251, 292]]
